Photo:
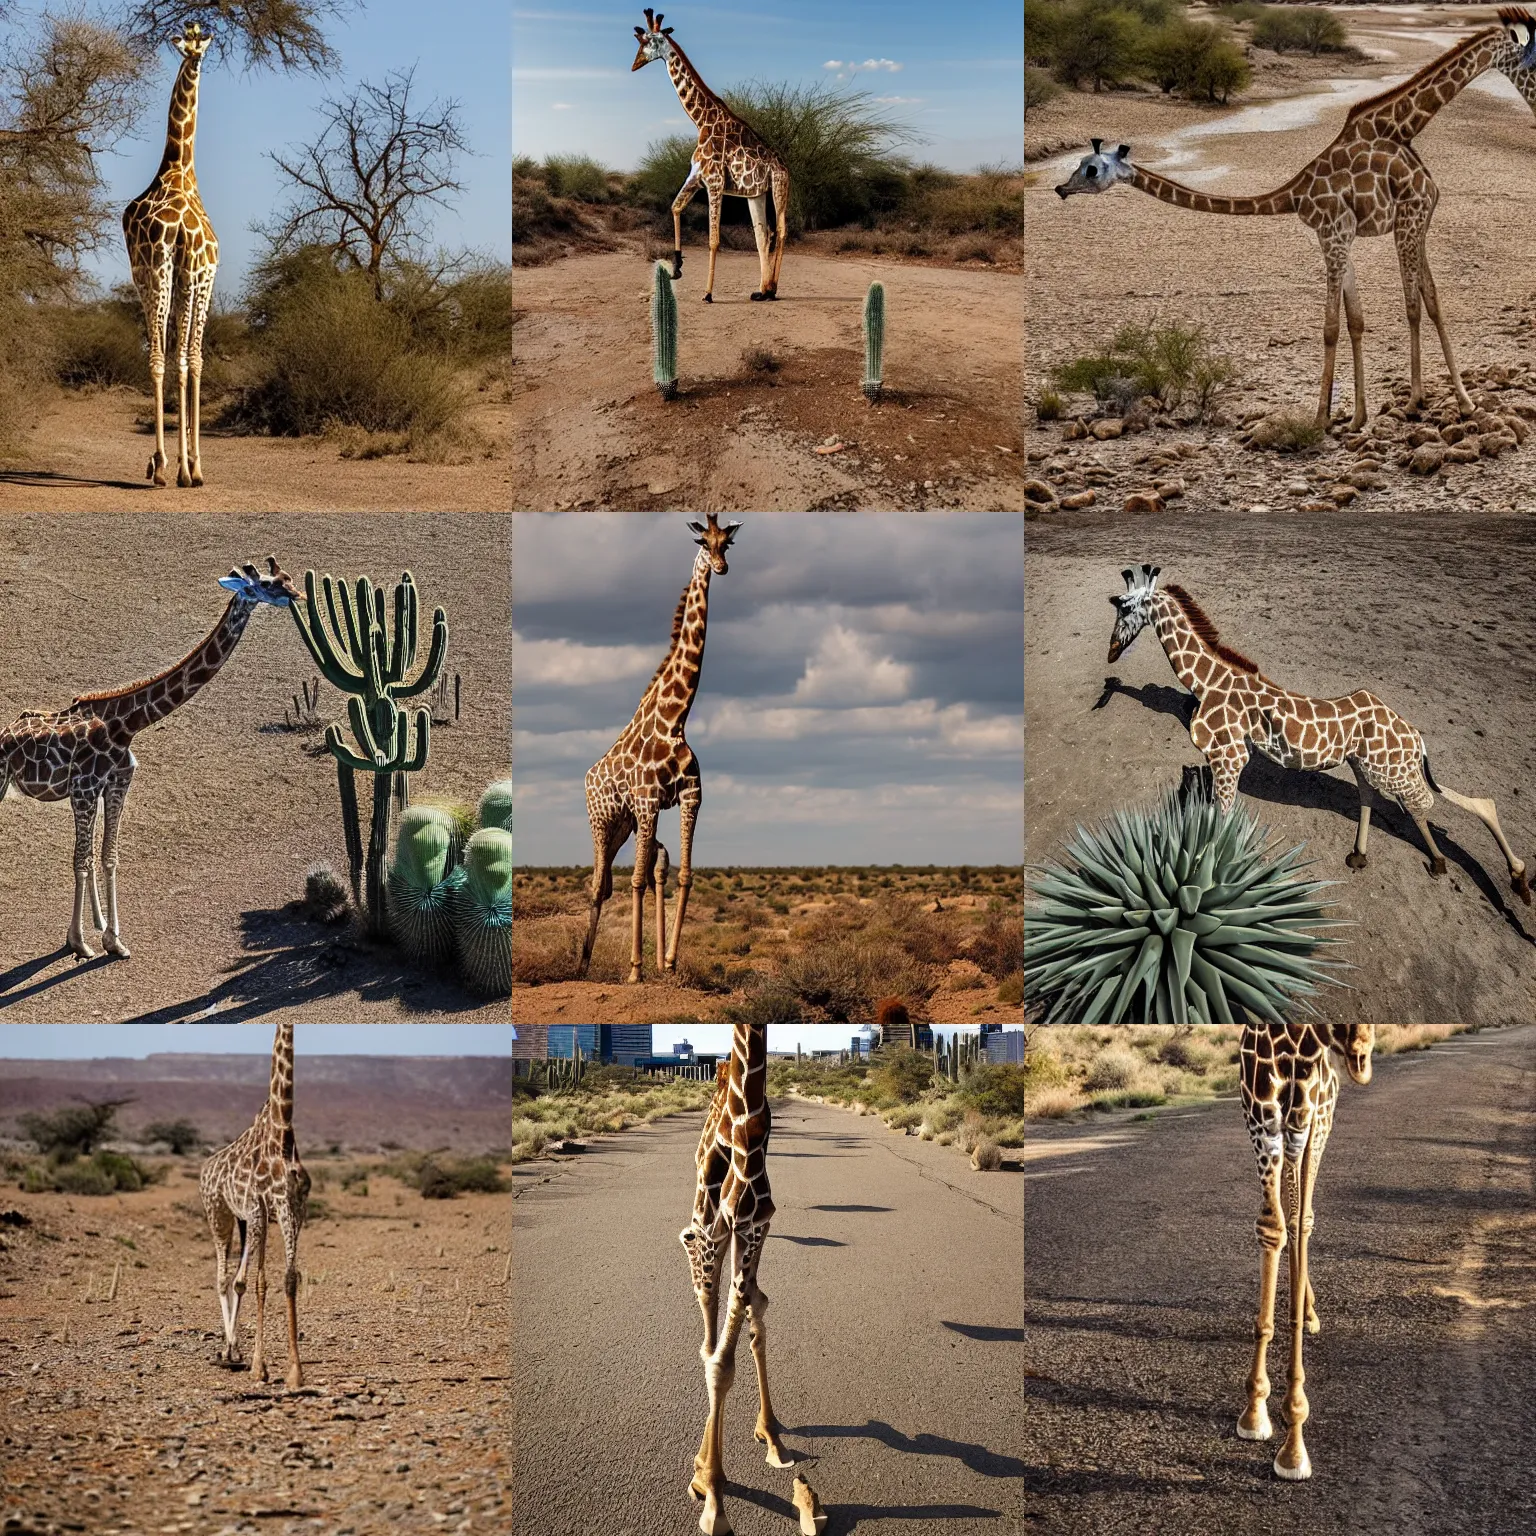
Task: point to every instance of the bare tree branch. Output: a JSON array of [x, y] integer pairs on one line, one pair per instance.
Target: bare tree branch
[[281, 34], [364, 187]]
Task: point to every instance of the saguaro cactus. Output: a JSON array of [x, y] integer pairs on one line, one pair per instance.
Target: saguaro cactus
[[664, 333], [874, 341], [347, 639]]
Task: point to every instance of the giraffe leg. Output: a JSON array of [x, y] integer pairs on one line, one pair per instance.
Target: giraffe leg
[[1409, 253], [201, 300], [780, 179], [1336, 261], [1357, 860], [689, 797], [659, 874], [645, 841], [289, 1224], [1436, 858], [153, 281], [113, 797], [221, 1222], [603, 850], [705, 1255], [1432, 304], [1354, 316], [1254, 1423], [1487, 813], [183, 348], [758, 207], [768, 1428], [84, 802], [1292, 1463], [680, 202], [715, 200], [719, 1373], [258, 1353]]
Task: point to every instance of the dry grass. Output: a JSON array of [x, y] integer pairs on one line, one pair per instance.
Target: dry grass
[[614, 1103]]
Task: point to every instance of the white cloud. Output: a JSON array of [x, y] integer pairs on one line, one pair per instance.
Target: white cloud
[[845, 669], [900, 101], [570, 664], [561, 106], [833, 64], [846, 67], [951, 730]]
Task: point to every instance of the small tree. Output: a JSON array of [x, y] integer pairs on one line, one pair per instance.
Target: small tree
[[364, 187], [73, 1132], [178, 1134], [282, 32]]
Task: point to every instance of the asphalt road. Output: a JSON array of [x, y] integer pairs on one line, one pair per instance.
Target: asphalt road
[[895, 1277], [1143, 1277]]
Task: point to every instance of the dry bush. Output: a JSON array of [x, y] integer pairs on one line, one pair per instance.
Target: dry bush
[[1055, 1103], [986, 1156], [845, 977], [999, 947], [1114, 1069]]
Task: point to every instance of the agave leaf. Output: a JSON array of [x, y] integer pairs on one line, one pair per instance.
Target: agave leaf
[[1145, 966], [1189, 899], [1256, 990], [1164, 919], [1201, 923], [1219, 1009], [1183, 943]]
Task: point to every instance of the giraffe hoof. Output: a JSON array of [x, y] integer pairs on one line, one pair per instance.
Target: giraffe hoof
[[709, 298], [813, 1518], [778, 1457], [159, 480], [1255, 1425], [295, 1378], [1297, 1472], [1356, 860], [714, 1524], [115, 946], [183, 479], [756, 296], [1522, 887], [81, 949], [1437, 866]]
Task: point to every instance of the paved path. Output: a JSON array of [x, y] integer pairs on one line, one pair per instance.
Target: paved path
[[1143, 1276], [895, 1277]]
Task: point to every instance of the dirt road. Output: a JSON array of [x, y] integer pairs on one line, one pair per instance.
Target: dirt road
[[228, 808], [591, 430], [89, 453], [118, 1419], [895, 1281], [1424, 611], [1143, 1276]]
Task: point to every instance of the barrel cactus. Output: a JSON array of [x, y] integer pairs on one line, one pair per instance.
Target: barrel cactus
[[422, 880], [496, 806], [874, 342], [664, 333], [1176, 915], [482, 913]]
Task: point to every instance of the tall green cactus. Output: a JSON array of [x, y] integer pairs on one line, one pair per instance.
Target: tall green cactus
[[359, 654], [664, 333], [874, 341]]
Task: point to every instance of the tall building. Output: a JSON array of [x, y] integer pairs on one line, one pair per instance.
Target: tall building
[[621, 1044], [1005, 1045]]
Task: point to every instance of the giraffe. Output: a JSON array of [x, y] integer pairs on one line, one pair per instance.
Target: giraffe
[[732, 1208], [1289, 1087], [651, 768], [1368, 181], [174, 254], [255, 1179], [730, 161], [84, 752], [1239, 706]]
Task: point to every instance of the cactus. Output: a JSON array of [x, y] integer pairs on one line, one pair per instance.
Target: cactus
[[421, 884], [664, 333], [347, 641], [496, 806], [1175, 915], [482, 913], [874, 341]]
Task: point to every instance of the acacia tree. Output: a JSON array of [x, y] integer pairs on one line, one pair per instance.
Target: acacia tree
[[362, 189], [285, 34]]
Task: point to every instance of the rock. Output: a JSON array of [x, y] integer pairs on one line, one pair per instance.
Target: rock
[[1343, 493], [1135, 421], [1038, 491], [1170, 490], [1073, 431], [1363, 479], [1491, 444], [1106, 429], [1427, 458], [1421, 435], [1143, 501], [1080, 499], [1464, 453], [1297, 487], [1514, 425], [1316, 505], [1453, 433]]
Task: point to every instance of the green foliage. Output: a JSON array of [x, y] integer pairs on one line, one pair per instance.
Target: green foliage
[[421, 883], [101, 345], [904, 1074], [179, 1135], [1087, 42], [1170, 360], [1300, 29], [482, 913], [1288, 432], [104, 1173], [1039, 88], [664, 332], [874, 340], [1197, 59], [1049, 405], [1010, 989], [495, 808], [73, 1131], [994, 1089], [444, 1180], [1175, 915], [999, 947], [770, 1006], [576, 176]]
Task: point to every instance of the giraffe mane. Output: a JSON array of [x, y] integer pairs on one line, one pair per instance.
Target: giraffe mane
[[677, 631], [1200, 622], [1412, 83], [106, 695]]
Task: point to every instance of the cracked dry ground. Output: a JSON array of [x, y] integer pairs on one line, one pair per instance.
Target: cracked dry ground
[[117, 1420]]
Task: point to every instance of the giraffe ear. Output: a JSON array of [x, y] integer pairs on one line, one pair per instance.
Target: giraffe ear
[[1122, 152], [1128, 575], [640, 33], [697, 527], [665, 31]]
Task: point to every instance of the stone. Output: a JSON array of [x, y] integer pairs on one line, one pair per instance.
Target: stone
[[1421, 435], [1038, 491], [1074, 430], [1453, 434], [1463, 453], [1317, 506], [1297, 487], [1516, 427], [1170, 490], [1491, 444], [1143, 501], [1106, 429], [1427, 458], [1079, 500], [1343, 493]]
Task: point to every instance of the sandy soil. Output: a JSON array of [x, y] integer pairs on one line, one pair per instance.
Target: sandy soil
[[120, 1421], [1417, 611], [593, 432], [1257, 283], [228, 808], [89, 453]]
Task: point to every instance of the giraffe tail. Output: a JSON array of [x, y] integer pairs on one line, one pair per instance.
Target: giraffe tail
[[1429, 778]]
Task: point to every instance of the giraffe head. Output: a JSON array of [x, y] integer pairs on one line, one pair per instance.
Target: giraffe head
[[192, 43], [1099, 171], [1520, 28], [655, 40], [274, 588], [714, 540], [1133, 609], [1354, 1042]]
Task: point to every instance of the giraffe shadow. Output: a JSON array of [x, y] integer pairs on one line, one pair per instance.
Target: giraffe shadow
[[50, 479], [13, 988], [806, 1242], [1068, 1395], [986, 1334], [976, 1458]]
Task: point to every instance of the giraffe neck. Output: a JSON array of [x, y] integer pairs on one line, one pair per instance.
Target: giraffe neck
[[129, 710], [1195, 663], [672, 690], [1281, 200], [699, 102], [749, 1075], [280, 1093], [181, 121], [1405, 112]]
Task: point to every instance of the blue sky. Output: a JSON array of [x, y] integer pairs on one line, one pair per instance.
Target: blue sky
[[73, 1042], [862, 697], [957, 77], [240, 116]]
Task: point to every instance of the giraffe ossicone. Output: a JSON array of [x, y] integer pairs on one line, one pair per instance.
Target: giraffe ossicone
[[730, 161], [651, 768], [1239, 707], [1368, 181], [256, 1180], [174, 254], [84, 753]]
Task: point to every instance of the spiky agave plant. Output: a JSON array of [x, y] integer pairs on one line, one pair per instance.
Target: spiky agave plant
[[1175, 915]]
